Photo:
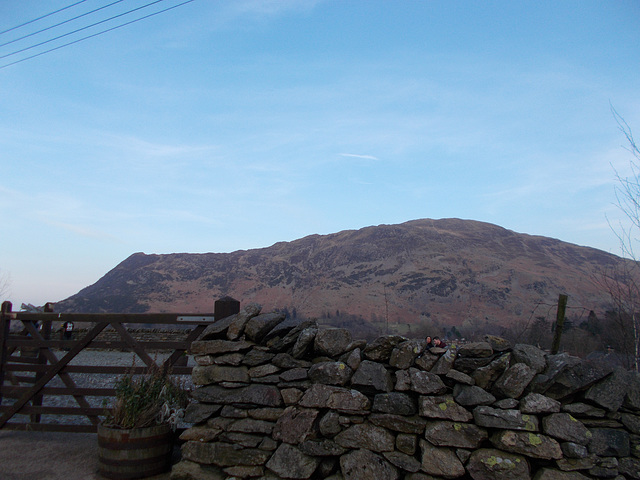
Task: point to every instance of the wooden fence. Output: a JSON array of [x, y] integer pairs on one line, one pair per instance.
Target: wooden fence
[[36, 361]]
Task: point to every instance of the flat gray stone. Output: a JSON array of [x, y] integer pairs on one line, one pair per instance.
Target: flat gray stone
[[472, 395], [533, 445], [469, 365], [455, 434], [338, 398], [553, 474], [609, 442], [405, 353], [574, 450], [443, 407], [493, 464], [476, 350], [332, 342], [217, 330], [223, 454], [263, 395], [499, 344], [556, 365], [295, 425], [366, 465], [538, 403], [439, 461], [252, 426], [289, 340], [236, 328], [218, 347], [407, 443], [567, 428], [504, 419], [289, 462], [610, 392], [321, 448], [330, 373], [372, 376], [460, 377], [259, 326], [426, 361], [380, 349], [399, 423], [426, 383], [304, 342], [403, 461], [579, 377], [281, 330], [207, 375], [367, 436], [530, 356], [513, 381], [199, 412], [629, 467], [444, 363], [187, 470], [487, 375], [632, 422], [257, 356], [579, 409], [397, 403]]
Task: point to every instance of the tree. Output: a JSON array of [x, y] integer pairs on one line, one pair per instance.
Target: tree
[[622, 281], [627, 193]]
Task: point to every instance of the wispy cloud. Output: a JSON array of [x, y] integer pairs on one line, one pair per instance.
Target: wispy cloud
[[140, 146], [268, 7], [81, 230], [187, 216], [356, 155]]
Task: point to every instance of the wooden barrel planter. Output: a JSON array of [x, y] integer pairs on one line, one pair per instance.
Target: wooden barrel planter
[[134, 453]]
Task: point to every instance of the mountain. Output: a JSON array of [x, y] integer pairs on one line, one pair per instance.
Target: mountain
[[451, 270]]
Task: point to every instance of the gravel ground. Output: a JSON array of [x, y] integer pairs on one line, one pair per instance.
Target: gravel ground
[[52, 456]]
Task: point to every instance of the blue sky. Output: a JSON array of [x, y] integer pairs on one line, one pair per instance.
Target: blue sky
[[227, 125]]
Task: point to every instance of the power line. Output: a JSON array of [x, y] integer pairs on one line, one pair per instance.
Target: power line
[[43, 16], [61, 23], [98, 33], [81, 29]]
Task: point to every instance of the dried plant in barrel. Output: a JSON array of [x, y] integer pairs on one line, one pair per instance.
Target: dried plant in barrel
[[147, 400], [136, 439]]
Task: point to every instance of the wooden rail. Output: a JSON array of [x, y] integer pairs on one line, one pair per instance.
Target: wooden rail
[[30, 360]]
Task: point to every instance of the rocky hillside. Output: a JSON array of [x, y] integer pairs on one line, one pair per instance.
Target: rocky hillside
[[453, 270]]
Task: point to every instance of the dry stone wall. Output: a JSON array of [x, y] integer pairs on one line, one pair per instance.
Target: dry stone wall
[[280, 399]]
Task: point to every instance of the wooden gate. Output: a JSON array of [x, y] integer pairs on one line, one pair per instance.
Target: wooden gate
[[36, 361]]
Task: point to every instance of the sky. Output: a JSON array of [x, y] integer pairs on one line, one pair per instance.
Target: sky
[[224, 125]]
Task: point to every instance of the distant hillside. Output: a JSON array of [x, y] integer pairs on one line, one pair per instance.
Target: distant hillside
[[450, 269]]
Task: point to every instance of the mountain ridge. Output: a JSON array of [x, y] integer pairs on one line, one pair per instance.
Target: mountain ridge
[[450, 269]]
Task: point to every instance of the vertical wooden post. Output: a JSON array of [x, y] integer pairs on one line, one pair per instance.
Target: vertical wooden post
[[562, 306], [225, 307], [4, 334], [42, 360]]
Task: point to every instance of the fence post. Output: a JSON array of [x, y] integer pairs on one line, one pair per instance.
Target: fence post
[[225, 307], [562, 306], [4, 333], [42, 360]]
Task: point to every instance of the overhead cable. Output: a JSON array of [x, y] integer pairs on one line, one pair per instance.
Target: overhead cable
[[81, 29], [61, 23], [43, 16], [96, 34]]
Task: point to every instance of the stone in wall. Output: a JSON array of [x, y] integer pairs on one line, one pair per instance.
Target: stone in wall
[[277, 399]]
